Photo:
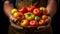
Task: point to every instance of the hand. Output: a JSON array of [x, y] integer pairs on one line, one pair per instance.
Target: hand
[[7, 8], [51, 9], [48, 21], [15, 26]]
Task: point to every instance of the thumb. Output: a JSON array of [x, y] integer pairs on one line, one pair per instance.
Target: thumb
[[48, 21]]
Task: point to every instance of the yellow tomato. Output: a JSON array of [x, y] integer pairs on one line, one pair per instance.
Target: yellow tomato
[[16, 15], [43, 10], [24, 22], [13, 11], [42, 22]]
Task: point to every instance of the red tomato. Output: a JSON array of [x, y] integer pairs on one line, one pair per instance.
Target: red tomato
[[33, 23], [21, 16], [23, 9], [36, 12], [30, 9]]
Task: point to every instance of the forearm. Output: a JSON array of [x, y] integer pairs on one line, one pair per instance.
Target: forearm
[[52, 7], [7, 8]]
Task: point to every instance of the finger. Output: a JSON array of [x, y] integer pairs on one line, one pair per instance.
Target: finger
[[49, 18], [41, 27], [48, 21], [12, 18], [15, 26]]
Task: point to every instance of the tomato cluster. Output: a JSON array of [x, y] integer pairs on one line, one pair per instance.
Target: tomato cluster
[[30, 16]]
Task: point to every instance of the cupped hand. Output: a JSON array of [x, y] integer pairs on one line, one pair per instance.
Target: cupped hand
[[7, 9]]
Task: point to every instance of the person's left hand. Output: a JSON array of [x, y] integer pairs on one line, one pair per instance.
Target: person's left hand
[[51, 10], [48, 21]]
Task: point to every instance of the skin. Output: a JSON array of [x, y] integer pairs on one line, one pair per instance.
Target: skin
[[51, 7]]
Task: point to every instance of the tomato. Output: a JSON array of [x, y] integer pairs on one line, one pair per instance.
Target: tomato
[[36, 11], [37, 18], [23, 9], [30, 9], [24, 23], [13, 11], [18, 15], [44, 17], [43, 10], [29, 16], [42, 22], [33, 23]]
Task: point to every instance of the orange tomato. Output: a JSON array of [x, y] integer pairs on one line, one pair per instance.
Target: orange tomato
[[42, 22], [18, 15], [44, 17]]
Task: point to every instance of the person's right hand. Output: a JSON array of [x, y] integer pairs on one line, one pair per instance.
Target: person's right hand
[[7, 9]]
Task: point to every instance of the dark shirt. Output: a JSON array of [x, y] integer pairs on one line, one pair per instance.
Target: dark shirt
[[37, 3]]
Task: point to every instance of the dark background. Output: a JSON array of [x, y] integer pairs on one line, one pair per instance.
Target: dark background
[[4, 22]]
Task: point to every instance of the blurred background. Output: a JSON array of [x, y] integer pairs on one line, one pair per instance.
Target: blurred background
[[4, 22]]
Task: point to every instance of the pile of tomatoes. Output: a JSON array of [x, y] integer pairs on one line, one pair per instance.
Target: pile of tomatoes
[[30, 16]]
